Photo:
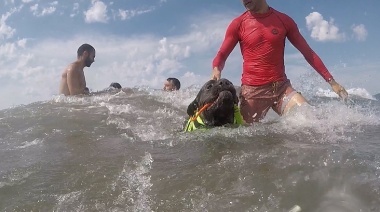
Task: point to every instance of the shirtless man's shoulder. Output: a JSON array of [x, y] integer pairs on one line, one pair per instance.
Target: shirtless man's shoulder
[[73, 80]]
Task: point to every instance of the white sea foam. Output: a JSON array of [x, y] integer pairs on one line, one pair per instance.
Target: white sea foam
[[69, 201], [117, 109], [340, 199], [358, 92], [30, 143], [133, 184]]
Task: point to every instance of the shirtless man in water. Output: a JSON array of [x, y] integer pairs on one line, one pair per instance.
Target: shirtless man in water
[[73, 81], [261, 32]]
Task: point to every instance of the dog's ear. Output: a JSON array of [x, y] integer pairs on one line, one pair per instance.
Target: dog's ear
[[193, 106]]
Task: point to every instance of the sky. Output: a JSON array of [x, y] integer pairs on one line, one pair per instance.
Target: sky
[[143, 42]]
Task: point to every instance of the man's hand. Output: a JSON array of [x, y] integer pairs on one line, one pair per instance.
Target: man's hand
[[216, 74], [338, 89]]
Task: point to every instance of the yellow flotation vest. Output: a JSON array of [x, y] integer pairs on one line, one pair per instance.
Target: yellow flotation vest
[[196, 122]]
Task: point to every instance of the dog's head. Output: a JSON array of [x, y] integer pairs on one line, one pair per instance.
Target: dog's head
[[216, 99]]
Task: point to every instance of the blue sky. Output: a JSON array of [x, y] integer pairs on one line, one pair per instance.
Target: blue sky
[[142, 42]]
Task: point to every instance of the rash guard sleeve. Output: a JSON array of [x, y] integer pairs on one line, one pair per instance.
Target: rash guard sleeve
[[298, 41], [229, 43]]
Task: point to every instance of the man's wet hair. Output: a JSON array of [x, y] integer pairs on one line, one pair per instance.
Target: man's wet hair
[[85, 47], [115, 85], [175, 82]]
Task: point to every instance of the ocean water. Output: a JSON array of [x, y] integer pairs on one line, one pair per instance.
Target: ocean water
[[125, 151]]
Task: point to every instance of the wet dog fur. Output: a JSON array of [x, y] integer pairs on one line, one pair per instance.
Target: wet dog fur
[[221, 94]]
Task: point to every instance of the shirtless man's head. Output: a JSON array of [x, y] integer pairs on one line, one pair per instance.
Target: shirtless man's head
[[88, 52], [73, 81], [172, 84]]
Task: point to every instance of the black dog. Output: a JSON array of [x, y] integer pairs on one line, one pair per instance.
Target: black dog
[[215, 105]]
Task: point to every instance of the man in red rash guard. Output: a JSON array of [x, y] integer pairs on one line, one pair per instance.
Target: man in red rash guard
[[261, 33]]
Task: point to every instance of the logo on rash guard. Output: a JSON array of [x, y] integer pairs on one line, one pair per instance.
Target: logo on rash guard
[[275, 31]]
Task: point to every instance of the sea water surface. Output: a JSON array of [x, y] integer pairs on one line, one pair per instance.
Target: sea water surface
[[125, 151]]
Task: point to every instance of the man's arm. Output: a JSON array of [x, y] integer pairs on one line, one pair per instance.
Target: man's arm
[[229, 43]]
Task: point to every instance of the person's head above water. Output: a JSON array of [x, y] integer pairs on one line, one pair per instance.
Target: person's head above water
[[172, 84], [88, 52], [115, 85]]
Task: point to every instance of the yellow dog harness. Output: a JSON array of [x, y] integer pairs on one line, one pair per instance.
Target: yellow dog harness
[[196, 122]]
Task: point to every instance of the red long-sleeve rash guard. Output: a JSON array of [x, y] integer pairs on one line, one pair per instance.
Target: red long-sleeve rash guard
[[262, 44]]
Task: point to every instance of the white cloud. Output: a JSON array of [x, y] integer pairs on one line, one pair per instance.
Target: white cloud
[[34, 8], [5, 30], [360, 32], [22, 43], [75, 10], [75, 6], [322, 30], [171, 50], [128, 14], [47, 11], [44, 11], [96, 13], [9, 2], [7, 53], [26, 1]]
